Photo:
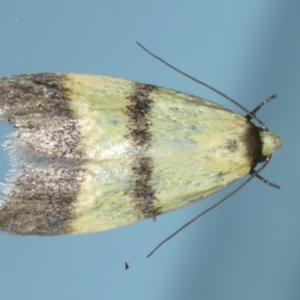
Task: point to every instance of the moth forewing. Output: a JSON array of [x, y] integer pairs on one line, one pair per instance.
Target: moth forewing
[[93, 153]]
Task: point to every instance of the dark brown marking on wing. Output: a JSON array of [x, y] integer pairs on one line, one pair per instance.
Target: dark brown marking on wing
[[253, 144], [38, 199], [42, 93], [40, 202], [139, 112], [39, 107]]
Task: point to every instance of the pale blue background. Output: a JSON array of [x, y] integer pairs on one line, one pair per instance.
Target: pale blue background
[[249, 248]]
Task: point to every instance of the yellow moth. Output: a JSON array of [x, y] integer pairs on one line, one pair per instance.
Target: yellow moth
[[93, 153]]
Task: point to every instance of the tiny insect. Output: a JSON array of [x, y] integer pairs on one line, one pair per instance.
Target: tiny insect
[[92, 153]]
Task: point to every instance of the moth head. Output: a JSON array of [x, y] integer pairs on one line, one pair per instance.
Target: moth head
[[270, 142]]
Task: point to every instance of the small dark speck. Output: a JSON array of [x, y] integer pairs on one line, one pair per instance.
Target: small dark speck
[[126, 266]]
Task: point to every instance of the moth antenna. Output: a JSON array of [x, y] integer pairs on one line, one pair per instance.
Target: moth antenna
[[258, 107], [263, 103], [255, 172], [249, 114], [258, 176], [267, 182]]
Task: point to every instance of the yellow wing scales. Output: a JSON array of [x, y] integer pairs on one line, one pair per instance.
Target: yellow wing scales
[[103, 152]]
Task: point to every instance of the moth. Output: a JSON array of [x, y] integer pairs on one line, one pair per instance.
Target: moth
[[92, 153]]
